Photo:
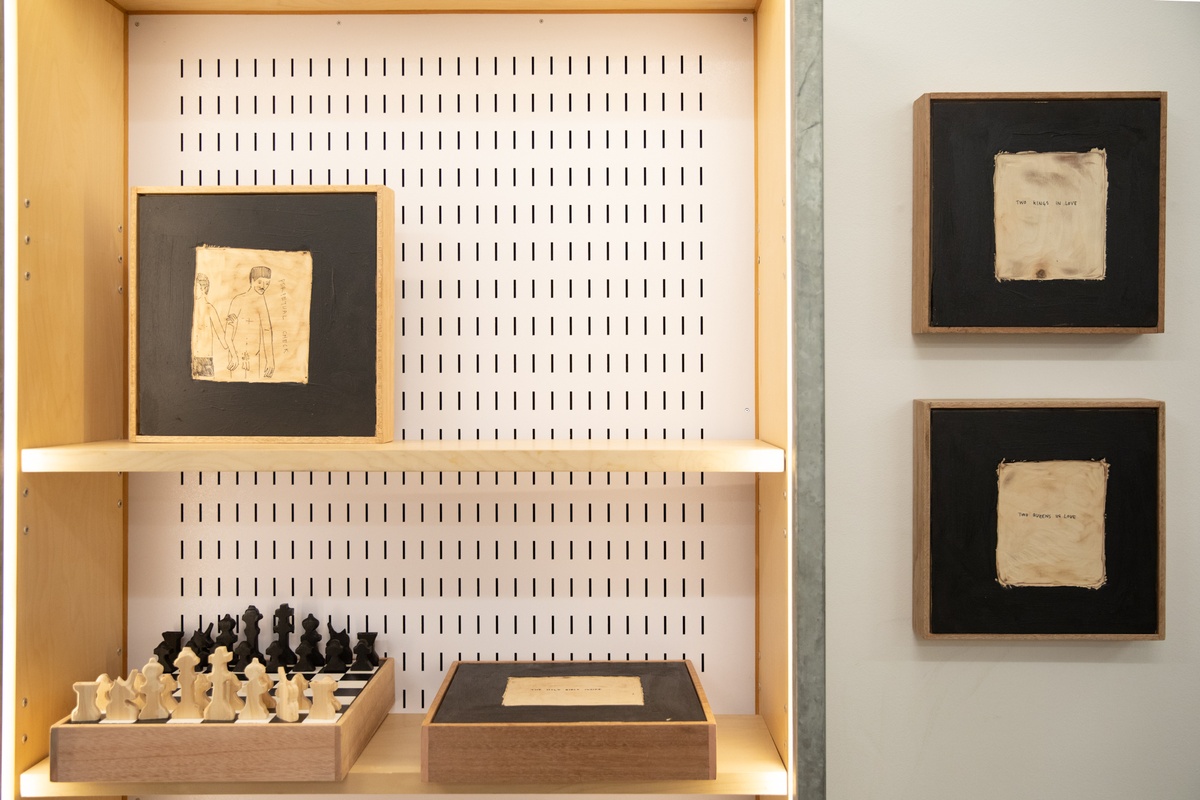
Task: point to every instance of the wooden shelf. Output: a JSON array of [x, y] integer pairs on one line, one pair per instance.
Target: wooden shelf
[[575, 455], [435, 6], [747, 763]]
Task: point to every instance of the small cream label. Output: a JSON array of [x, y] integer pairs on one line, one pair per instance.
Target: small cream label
[[574, 690]]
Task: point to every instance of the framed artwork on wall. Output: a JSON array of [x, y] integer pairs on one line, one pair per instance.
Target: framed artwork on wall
[[262, 313], [1039, 212], [1038, 519]]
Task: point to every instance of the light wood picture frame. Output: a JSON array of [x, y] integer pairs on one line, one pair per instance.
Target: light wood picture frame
[[1039, 212], [1039, 519], [261, 313]]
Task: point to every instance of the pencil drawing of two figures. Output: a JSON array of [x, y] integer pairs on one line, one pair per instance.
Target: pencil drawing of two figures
[[264, 331]]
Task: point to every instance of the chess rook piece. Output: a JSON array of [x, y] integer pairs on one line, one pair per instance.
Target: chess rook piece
[[257, 685], [325, 704], [152, 707], [312, 636], [285, 625], [85, 709], [168, 650], [333, 657], [226, 632], [189, 707]]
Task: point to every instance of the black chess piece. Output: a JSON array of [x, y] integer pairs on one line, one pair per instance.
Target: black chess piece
[[250, 620], [275, 658], [342, 636], [312, 637], [202, 644], [285, 624], [168, 650], [243, 654], [226, 633], [362, 656], [333, 656], [365, 657], [304, 653]]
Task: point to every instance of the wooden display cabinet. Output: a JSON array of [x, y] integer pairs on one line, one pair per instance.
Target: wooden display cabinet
[[65, 447]]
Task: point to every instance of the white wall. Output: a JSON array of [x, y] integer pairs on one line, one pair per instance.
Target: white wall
[[909, 719]]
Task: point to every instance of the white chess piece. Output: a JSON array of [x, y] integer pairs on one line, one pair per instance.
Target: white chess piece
[[152, 686], [122, 698], [287, 702], [189, 706], [257, 686], [324, 704], [85, 709]]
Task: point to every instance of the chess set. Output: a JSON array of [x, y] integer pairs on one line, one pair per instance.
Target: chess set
[[278, 715]]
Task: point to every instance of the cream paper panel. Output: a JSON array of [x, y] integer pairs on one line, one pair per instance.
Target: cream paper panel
[[574, 234]]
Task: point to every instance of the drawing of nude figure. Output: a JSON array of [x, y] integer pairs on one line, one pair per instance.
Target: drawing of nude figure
[[248, 327], [265, 330]]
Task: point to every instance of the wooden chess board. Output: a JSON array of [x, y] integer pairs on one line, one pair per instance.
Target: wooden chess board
[[237, 750]]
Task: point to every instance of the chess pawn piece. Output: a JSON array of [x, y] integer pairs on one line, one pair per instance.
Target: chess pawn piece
[[152, 707], [287, 698], [103, 688], [369, 638], [275, 656], [226, 632], [190, 705], [122, 699], [325, 704], [312, 636], [257, 685], [243, 655], [362, 656], [333, 656], [85, 709], [168, 650], [304, 657]]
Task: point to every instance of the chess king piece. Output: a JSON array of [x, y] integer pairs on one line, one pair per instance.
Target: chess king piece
[[189, 707], [85, 709], [284, 627], [153, 707]]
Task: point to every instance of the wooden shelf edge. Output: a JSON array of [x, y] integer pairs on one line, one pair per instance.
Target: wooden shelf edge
[[747, 763], [576, 455], [428, 6]]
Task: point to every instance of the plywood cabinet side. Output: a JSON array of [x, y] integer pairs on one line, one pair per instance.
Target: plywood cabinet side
[[64, 534]]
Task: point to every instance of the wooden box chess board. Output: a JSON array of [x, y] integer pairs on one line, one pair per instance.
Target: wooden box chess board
[[209, 751], [569, 721]]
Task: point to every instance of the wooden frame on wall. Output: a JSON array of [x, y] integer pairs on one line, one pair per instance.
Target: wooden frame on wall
[[1039, 212], [1038, 519], [308, 271]]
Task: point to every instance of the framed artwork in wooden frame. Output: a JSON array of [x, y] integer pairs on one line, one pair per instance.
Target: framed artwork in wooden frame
[[1038, 519], [1039, 212], [261, 313]]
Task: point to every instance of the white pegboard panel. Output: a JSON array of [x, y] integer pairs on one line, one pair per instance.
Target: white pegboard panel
[[574, 234]]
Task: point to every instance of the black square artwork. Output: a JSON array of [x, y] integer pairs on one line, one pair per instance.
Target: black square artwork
[[966, 445], [964, 137], [341, 231]]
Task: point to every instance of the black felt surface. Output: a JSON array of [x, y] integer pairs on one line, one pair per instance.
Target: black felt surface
[[339, 229], [967, 445], [965, 137], [476, 692]]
